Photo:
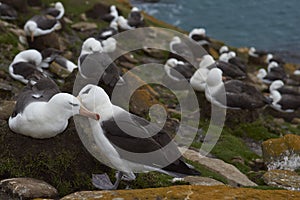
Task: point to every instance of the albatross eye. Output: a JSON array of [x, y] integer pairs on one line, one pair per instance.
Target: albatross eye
[[86, 91], [73, 104]]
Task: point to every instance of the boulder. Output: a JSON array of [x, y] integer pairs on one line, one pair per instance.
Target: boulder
[[282, 178], [187, 192], [84, 26], [228, 171], [282, 153], [27, 188]]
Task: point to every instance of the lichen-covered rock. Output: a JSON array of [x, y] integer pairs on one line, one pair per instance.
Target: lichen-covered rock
[[186, 192], [282, 153], [84, 26], [27, 188], [231, 173], [198, 180], [282, 178]]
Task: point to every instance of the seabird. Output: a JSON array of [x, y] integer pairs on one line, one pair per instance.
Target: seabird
[[233, 59], [110, 77], [230, 70], [123, 24], [135, 18], [271, 58], [109, 45], [41, 25], [238, 95], [199, 36], [223, 49], [254, 53], [198, 80], [285, 102], [297, 72], [57, 11], [51, 55], [108, 32], [185, 70], [275, 72], [7, 12], [42, 111], [112, 16], [135, 136], [283, 89], [24, 67], [179, 49]]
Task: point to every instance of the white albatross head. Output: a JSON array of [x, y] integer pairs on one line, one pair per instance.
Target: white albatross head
[[94, 98], [68, 106], [272, 65], [223, 49], [109, 45], [91, 45], [197, 31], [30, 29], [269, 57], [206, 61], [262, 73], [214, 77]]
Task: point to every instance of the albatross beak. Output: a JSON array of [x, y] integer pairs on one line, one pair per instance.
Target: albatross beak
[[32, 36], [84, 112]]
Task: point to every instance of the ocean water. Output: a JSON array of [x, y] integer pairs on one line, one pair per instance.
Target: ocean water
[[271, 25]]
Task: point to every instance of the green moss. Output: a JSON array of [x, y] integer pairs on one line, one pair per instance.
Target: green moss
[[256, 131], [230, 147]]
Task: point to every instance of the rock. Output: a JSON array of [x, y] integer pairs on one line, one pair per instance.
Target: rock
[[155, 53], [127, 65], [187, 192], [84, 26], [5, 90], [197, 180], [279, 121], [6, 109], [282, 178], [59, 70], [27, 188], [231, 173], [282, 153], [296, 121]]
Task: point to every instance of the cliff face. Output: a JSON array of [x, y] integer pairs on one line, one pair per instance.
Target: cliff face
[[63, 162]]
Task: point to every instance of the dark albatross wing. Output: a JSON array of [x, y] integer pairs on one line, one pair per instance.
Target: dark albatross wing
[[288, 101], [43, 90], [144, 145], [44, 22], [231, 70], [27, 70], [52, 11], [240, 95], [239, 63], [187, 70]]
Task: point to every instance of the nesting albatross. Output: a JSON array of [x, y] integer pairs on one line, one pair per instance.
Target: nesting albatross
[[42, 111], [41, 25], [24, 67], [134, 136], [233, 94]]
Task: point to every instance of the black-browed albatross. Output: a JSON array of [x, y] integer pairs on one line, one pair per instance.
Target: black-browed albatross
[[233, 94], [134, 136], [25, 66], [41, 25], [42, 111]]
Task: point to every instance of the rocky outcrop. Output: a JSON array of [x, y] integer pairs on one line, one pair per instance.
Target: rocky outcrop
[[197, 180], [187, 192], [282, 178], [26, 188], [282, 153], [231, 173]]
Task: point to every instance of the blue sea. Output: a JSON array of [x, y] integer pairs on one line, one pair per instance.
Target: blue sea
[[271, 25]]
